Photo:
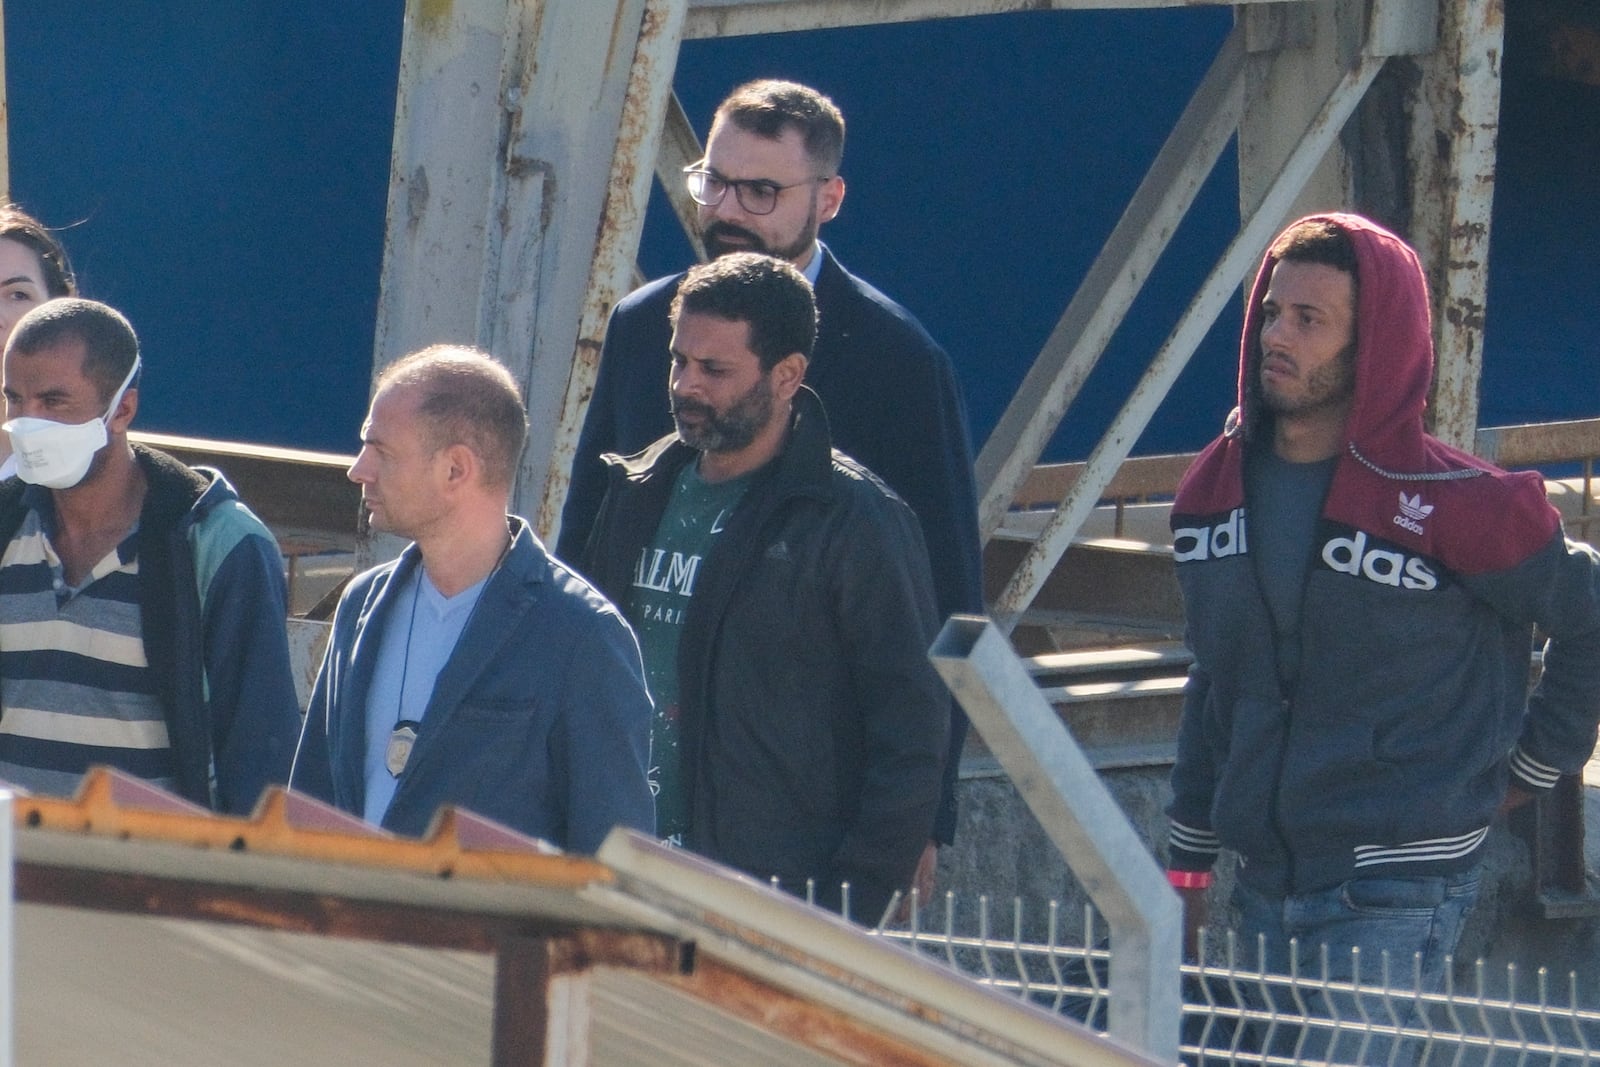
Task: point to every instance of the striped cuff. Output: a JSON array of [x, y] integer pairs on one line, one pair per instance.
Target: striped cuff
[[1192, 847], [1537, 776], [1433, 850]]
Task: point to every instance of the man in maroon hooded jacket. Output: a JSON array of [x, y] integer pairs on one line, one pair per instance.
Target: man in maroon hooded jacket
[[1360, 600]]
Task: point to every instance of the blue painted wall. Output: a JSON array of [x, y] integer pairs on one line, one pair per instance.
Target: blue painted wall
[[222, 170]]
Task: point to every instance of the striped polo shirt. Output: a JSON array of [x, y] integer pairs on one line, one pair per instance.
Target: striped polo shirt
[[75, 688]]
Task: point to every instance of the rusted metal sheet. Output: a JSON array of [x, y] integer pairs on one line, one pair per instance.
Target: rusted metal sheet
[[651, 56], [542, 1013], [780, 940], [300, 912], [458, 844], [812, 1025]]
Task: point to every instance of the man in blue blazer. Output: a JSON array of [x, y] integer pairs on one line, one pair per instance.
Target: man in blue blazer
[[475, 670], [769, 180]]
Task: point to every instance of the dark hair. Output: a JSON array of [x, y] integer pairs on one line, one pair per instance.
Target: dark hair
[[770, 295], [19, 226], [468, 398], [1317, 241], [109, 343], [768, 107]]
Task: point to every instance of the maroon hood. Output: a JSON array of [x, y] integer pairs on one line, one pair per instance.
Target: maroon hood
[[1387, 452]]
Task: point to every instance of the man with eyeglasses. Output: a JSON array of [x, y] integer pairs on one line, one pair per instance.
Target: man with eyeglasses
[[769, 180]]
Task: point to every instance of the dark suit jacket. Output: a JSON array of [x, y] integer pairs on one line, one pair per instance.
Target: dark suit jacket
[[893, 404]]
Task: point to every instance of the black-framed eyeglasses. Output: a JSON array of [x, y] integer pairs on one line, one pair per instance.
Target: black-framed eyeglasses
[[759, 196]]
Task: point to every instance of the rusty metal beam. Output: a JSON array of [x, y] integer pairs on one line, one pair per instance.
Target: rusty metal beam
[[679, 148], [737, 18], [542, 984], [524, 139], [1455, 121], [269, 909], [1521, 445], [522, 1011], [1539, 442], [1254, 233], [780, 940], [652, 35], [459, 845], [811, 1025]]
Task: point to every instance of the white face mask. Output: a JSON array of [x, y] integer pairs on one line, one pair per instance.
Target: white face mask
[[57, 455]]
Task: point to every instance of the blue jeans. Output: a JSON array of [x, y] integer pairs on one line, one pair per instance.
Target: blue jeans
[[1416, 921]]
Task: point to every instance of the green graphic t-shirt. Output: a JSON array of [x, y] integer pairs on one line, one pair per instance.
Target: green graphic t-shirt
[[663, 581]]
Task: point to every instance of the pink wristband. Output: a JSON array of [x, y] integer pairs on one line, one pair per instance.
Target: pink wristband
[[1189, 879]]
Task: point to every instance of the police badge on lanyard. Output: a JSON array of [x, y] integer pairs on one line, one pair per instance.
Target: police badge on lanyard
[[401, 742]]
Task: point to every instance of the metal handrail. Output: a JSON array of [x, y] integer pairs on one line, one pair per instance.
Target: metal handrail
[[1082, 820], [1146, 479]]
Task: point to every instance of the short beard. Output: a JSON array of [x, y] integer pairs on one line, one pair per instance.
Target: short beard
[[732, 430], [716, 237], [1327, 386]]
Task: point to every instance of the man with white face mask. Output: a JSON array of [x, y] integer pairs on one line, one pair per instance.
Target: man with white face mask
[[142, 605]]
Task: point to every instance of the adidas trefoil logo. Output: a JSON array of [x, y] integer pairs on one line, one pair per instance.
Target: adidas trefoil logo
[[1412, 512]]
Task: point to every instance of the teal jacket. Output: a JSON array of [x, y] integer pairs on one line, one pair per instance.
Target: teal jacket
[[212, 609]]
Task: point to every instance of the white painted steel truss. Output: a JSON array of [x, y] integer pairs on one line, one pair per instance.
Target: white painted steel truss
[[544, 263]]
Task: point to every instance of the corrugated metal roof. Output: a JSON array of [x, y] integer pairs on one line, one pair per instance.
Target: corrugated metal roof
[[187, 942]]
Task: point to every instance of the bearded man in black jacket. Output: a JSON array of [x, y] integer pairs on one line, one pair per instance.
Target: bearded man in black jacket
[[784, 605]]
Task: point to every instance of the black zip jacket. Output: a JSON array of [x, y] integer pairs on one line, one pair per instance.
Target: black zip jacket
[[813, 725]]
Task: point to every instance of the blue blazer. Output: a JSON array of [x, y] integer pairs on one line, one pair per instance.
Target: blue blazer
[[539, 720]]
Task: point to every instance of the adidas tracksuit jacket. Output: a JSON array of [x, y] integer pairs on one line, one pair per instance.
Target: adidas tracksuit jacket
[[1428, 570]]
